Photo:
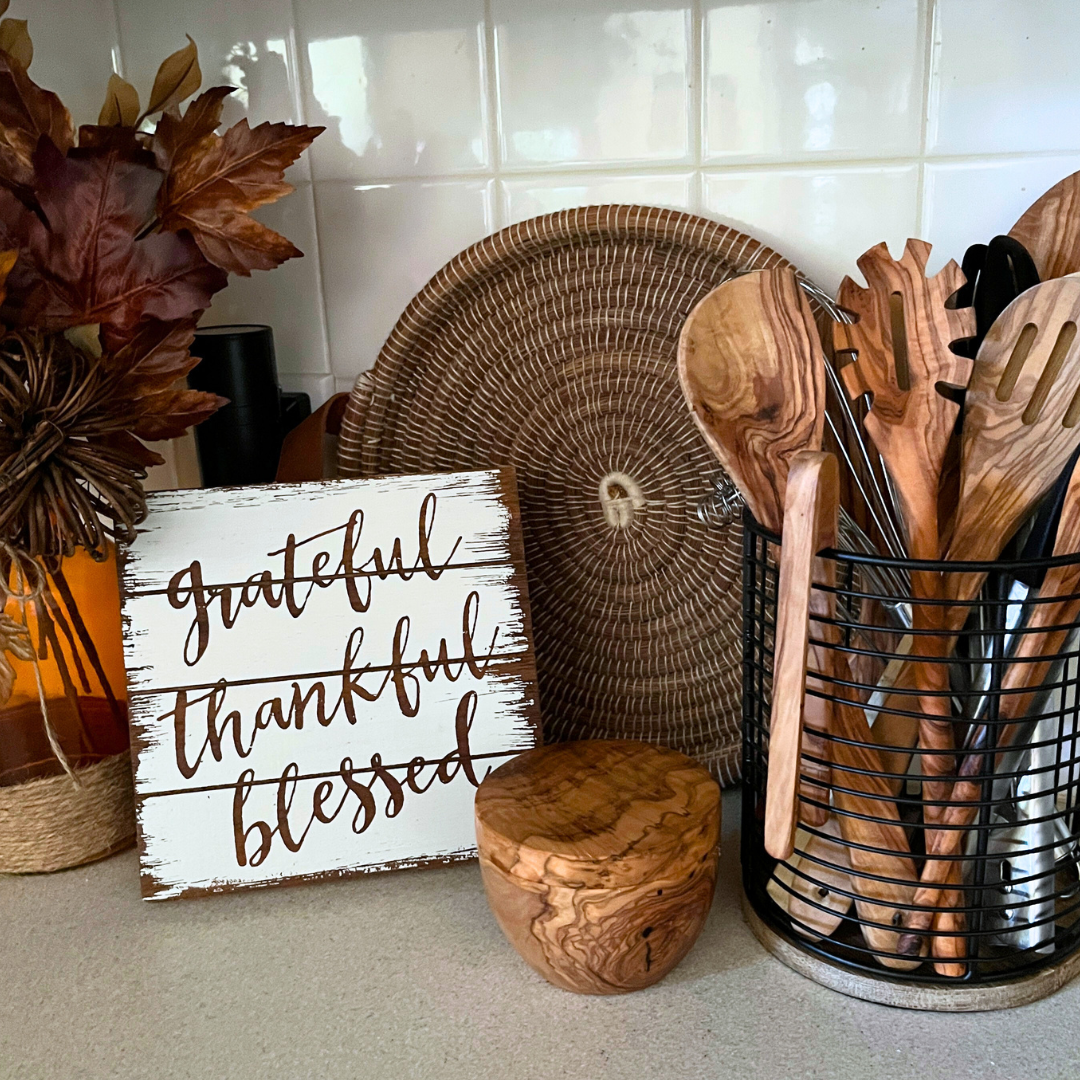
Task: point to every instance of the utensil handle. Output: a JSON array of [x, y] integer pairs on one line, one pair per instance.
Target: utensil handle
[[811, 509]]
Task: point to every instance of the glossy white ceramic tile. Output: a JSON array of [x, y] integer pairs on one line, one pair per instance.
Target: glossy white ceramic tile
[[971, 202], [1004, 76], [75, 50], [526, 198], [593, 81], [794, 79], [289, 298], [820, 219], [379, 245], [249, 44], [400, 87]]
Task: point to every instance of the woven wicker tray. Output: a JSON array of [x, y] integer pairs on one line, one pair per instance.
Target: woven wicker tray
[[551, 346]]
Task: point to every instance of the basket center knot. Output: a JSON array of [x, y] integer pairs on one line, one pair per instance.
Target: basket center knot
[[620, 498]]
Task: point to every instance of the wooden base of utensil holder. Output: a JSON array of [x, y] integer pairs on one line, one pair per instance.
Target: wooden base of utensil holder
[[932, 997], [599, 860]]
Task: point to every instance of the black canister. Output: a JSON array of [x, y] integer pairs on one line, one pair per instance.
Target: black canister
[[241, 443]]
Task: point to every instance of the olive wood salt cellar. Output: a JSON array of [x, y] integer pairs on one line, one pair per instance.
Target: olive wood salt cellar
[[599, 860]]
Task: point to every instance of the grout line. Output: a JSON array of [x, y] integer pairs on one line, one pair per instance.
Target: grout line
[[929, 15], [646, 169], [697, 101], [300, 69], [493, 116], [119, 39]]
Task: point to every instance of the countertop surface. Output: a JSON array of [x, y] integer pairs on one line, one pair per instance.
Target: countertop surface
[[406, 975]]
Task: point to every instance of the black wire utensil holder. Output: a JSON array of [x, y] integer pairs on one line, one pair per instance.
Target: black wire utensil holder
[[984, 900]]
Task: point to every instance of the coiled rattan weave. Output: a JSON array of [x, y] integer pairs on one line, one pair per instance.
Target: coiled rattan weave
[[550, 346]]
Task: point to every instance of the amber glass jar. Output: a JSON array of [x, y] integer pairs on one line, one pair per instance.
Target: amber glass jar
[[74, 630]]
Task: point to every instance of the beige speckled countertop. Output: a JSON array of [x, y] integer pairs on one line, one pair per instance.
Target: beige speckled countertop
[[407, 975]]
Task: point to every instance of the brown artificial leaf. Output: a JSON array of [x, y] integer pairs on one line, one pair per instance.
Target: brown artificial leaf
[[121, 108], [7, 261], [126, 445], [216, 180], [131, 144], [238, 243], [27, 112], [169, 414], [153, 359], [177, 78], [15, 41], [177, 135], [84, 263]]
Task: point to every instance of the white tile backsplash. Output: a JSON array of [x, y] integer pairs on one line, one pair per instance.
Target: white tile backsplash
[[400, 87], [821, 219], [595, 81], [1004, 77], [526, 198], [787, 81], [822, 126], [969, 202], [380, 244]]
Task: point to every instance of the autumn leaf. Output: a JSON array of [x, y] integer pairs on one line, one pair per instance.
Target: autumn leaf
[[84, 263], [15, 41], [238, 243], [216, 180], [153, 358], [27, 112], [121, 108], [179, 135], [169, 414], [7, 261], [177, 78]]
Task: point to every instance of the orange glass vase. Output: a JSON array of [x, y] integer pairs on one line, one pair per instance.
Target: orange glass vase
[[73, 628]]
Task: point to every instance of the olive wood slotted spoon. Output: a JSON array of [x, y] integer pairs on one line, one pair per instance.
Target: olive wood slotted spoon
[[1021, 426]]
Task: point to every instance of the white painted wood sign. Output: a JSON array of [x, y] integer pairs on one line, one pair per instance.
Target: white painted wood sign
[[321, 674]]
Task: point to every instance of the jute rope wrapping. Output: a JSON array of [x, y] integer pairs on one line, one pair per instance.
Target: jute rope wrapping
[[551, 346], [52, 823]]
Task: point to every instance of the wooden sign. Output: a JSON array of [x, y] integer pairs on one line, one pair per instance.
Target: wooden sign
[[320, 675]]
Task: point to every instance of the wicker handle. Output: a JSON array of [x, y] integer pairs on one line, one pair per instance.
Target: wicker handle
[[811, 509]]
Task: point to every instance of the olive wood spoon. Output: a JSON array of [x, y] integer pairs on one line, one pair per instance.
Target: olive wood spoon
[[752, 371]]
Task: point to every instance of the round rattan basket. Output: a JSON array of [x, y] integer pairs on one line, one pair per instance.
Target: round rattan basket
[[551, 346]]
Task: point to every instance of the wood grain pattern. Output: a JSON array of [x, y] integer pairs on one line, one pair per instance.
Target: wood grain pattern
[[811, 514], [813, 887], [900, 355], [877, 848], [1059, 607], [1050, 229], [599, 860], [751, 369], [752, 372], [1015, 438]]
